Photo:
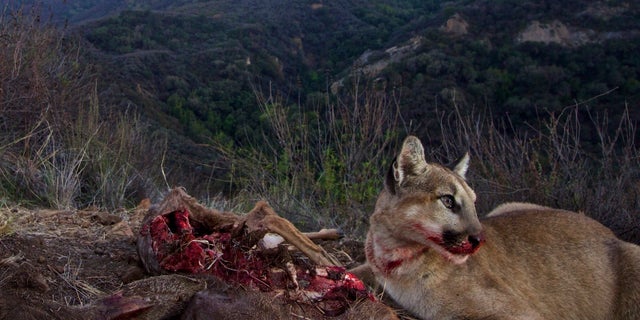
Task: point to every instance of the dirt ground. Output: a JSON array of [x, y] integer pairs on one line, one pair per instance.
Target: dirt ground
[[60, 258], [67, 256]]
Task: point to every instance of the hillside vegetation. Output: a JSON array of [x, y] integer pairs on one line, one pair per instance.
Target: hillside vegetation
[[59, 146], [304, 104]]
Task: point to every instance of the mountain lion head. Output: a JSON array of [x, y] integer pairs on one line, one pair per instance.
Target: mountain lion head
[[429, 204]]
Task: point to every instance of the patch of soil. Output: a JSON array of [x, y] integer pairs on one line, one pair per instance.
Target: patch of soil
[[54, 263], [66, 257]]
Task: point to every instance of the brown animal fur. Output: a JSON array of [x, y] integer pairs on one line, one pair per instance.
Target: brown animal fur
[[235, 303], [262, 217], [434, 257]]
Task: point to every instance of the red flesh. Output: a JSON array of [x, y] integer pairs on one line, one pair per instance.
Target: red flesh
[[180, 248]]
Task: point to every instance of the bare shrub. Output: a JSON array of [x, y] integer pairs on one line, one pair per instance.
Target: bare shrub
[[58, 147], [41, 72], [319, 167], [326, 168], [552, 164], [123, 156]]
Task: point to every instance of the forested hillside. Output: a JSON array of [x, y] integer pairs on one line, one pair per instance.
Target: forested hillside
[[523, 59], [200, 61], [204, 67]]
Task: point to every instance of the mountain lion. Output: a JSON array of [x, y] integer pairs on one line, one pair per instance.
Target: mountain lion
[[430, 252]]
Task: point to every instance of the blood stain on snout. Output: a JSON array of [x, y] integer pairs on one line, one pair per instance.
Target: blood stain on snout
[[460, 243]]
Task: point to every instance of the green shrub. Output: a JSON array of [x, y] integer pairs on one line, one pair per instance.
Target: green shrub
[[318, 167]]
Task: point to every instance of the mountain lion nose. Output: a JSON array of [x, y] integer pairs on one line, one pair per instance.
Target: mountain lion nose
[[476, 240]]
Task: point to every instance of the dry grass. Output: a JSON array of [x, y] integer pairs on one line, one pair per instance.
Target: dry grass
[[84, 292], [5, 224], [552, 163], [60, 147], [7, 262], [318, 167], [576, 160]]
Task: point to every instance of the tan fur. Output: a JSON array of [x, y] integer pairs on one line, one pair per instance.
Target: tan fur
[[535, 262], [515, 206]]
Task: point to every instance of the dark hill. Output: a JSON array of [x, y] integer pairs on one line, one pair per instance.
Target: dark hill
[[194, 66]]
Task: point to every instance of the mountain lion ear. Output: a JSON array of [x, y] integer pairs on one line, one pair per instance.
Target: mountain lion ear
[[462, 166], [410, 161], [389, 179]]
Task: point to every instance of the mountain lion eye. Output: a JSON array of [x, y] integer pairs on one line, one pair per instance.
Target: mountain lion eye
[[448, 201]]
